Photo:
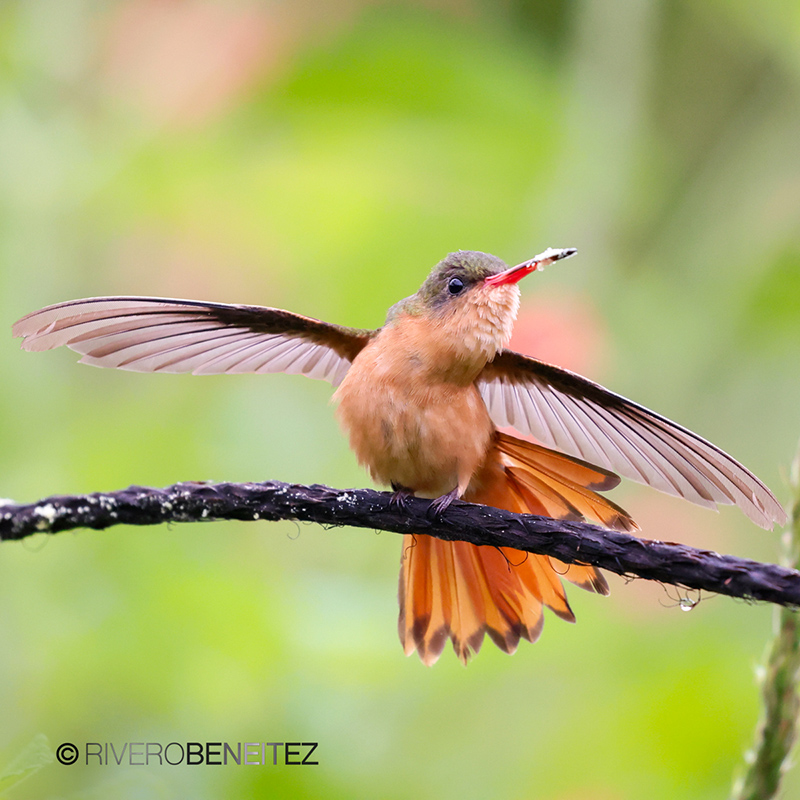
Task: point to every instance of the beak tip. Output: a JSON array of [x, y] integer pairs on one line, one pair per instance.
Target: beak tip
[[556, 255]]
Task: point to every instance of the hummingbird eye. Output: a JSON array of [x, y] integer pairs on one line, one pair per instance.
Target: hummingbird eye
[[455, 285]]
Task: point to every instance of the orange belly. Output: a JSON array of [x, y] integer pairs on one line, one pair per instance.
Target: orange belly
[[408, 430]]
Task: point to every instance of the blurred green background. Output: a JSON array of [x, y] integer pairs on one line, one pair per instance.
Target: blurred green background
[[322, 157]]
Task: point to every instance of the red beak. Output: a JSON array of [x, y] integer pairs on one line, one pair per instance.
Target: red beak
[[515, 274]]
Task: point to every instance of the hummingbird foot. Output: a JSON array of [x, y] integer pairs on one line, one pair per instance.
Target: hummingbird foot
[[400, 495], [440, 504]]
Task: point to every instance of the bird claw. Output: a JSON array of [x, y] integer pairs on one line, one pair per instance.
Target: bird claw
[[440, 504], [400, 496]]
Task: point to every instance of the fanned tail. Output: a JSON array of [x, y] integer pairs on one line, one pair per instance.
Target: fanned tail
[[458, 591]]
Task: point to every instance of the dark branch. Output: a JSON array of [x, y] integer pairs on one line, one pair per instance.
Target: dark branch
[[567, 541]]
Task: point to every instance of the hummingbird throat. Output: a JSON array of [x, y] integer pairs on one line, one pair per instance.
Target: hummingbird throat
[[480, 327]]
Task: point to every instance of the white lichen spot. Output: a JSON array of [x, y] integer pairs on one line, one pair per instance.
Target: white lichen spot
[[48, 515]]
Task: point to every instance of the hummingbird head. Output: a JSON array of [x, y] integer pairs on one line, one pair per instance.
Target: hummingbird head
[[456, 275], [475, 298]]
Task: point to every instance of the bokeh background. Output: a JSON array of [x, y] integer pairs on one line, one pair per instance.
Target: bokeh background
[[322, 156]]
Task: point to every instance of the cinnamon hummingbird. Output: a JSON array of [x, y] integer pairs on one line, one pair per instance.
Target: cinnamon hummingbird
[[421, 400]]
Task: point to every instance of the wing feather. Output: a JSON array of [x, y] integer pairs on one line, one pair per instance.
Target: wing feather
[[146, 334], [581, 418]]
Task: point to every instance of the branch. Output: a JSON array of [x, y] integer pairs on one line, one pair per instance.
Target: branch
[[571, 542]]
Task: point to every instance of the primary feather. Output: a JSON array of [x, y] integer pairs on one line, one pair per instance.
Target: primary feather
[[579, 417], [145, 334]]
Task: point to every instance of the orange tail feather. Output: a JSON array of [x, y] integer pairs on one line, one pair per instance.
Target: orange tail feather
[[459, 591]]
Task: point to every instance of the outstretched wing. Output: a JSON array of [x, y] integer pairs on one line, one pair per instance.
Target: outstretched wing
[[581, 418], [147, 334]]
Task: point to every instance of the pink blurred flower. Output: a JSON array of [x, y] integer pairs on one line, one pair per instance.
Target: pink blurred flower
[[564, 329], [185, 61]]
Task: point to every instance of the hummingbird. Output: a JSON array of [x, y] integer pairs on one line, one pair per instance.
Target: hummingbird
[[422, 399]]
